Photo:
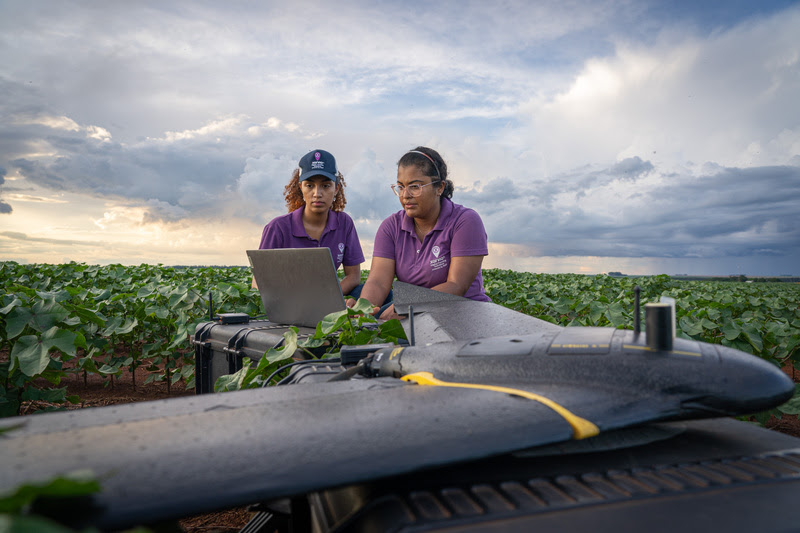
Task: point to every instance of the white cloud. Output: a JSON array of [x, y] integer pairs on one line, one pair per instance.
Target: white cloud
[[262, 182], [18, 197], [564, 124], [214, 128], [57, 123], [682, 99], [98, 133]]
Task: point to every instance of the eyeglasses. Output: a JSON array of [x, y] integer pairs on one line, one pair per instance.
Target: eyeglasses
[[415, 189]]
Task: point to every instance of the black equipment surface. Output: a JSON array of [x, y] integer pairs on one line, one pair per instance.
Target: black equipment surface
[[710, 475], [431, 428], [219, 347]]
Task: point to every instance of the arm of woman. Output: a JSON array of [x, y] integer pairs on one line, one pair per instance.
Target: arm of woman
[[352, 277], [379, 281], [462, 272]]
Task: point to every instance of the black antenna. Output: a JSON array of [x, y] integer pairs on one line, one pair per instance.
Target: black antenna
[[411, 323], [210, 307], [636, 318]]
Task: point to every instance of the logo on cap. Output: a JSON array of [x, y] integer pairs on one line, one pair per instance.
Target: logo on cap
[[318, 162]]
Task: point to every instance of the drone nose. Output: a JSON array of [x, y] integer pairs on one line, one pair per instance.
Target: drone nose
[[758, 384]]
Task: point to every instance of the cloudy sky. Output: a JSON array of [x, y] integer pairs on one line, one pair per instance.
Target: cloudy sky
[[591, 136]]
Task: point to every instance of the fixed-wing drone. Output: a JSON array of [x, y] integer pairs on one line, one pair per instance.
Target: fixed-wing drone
[[489, 419]]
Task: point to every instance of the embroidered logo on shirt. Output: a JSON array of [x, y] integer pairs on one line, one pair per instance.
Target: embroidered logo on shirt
[[438, 262], [341, 247]]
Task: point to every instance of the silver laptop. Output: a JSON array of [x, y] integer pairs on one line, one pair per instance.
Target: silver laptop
[[298, 286]]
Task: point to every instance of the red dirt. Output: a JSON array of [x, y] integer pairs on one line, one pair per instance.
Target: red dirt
[[98, 391]]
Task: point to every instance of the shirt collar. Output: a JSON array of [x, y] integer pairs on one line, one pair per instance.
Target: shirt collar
[[407, 223], [299, 230]]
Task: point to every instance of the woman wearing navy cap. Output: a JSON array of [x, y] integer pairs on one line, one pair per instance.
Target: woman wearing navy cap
[[315, 199], [432, 242]]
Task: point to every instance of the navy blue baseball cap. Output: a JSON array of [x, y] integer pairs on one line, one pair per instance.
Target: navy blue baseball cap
[[318, 163]]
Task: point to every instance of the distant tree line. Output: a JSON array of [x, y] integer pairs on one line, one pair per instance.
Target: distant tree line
[[732, 277]]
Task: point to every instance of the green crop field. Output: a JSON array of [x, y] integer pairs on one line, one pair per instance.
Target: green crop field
[[87, 315]]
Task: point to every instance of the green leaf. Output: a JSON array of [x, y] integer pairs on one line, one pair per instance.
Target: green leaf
[[109, 370], [14, 303], [311, 342], [234, 381], [792, 407], [731, 330], [31, 353], [283, 352], [146, 291], [229, 290], [615, 313], [77, 483], [45, 395], [16, 321], [127, 327], [363, 306], [563, 305], [58, 296], [752, 336], [596, 310], [392, 329], [364, 336], [47, 313], [87, 316], [690, 327], [334, 321]]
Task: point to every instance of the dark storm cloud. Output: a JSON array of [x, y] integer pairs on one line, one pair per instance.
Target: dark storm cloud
[[149, 170], [538, 193], [191, 175], [493, 197], [722, 212], [630, 168], [178, 175], [188, 179], [4, 207]]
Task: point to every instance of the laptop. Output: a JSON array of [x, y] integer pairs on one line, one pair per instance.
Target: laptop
[[298, 286]]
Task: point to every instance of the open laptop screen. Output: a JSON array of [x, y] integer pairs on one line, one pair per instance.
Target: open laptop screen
[[298, 286]]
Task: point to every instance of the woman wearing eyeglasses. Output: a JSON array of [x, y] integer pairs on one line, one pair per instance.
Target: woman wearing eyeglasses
[[432, 242]]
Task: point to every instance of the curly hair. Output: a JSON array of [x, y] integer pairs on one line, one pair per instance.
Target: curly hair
[[294, 196], [433, 166]]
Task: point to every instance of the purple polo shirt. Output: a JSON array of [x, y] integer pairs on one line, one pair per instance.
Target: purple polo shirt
[[459, 232], [287, 231]]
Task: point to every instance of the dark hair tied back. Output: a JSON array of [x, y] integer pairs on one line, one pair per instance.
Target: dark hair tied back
[[433, 165]]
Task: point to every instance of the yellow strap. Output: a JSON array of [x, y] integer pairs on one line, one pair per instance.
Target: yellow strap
[[581, 428]]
